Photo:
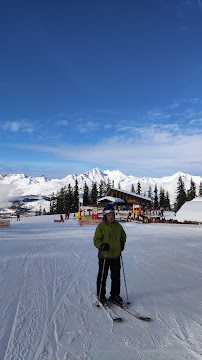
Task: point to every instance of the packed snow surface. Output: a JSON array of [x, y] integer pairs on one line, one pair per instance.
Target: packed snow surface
[[191, 211], [48, 274]]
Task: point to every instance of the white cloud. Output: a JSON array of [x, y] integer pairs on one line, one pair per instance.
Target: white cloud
[[152, 148], [174, 106], [196, 121], [62, 123], [149, 134], [87, 126], [197, 3], [6, 192], [170, 145], [158, 115], [108, 126], [127, 128], [18, 126]]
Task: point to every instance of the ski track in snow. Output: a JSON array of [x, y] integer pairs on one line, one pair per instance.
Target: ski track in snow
[[47, 276]]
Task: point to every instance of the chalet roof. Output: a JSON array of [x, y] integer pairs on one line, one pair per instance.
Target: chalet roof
[[112, 199], [130, 193]]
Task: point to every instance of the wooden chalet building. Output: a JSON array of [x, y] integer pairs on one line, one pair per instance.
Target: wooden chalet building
[[120, 197]]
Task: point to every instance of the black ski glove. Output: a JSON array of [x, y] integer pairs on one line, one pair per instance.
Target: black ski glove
[[122, 246], [104, 247]]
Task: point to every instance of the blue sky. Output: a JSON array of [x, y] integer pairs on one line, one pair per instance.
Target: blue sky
[[113, 84]]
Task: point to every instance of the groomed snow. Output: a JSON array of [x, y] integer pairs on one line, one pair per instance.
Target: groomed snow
[[190, 211], [47, 274]]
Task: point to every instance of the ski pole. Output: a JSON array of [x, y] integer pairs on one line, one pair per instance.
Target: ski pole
[[103, 268], [128, 302]]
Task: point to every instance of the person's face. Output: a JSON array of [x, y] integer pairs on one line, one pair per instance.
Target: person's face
[[110, 217]]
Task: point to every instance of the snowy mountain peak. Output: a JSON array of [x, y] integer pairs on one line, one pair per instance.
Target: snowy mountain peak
[[115, 173], [94, 174], [180, 173], [16, 186]]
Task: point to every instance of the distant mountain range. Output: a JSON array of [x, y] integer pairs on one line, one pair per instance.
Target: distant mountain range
[[32, 192]]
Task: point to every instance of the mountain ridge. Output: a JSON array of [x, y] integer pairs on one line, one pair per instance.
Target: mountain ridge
[[16, 186]]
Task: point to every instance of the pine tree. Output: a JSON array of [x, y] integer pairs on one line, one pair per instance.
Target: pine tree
[[156, 201], [101, 189], [94, 194], [132, 188], [57, 202], [60, 201], [138, 191], [69, 199], [167, 201], [108, 186], [200, 189], [191, 193], [75, 205], [119, 185], [53, 204], [162, 198], [150, 192], [181, 194], [104, 188], [85, 195]]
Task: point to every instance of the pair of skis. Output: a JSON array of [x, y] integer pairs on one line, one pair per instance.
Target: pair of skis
[[112, 314], [134, 314]]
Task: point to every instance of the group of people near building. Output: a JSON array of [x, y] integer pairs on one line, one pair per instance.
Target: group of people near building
[[144, 214]]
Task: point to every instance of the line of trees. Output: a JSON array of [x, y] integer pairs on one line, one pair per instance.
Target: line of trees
[[67, 199], [182, 195], [161, 201]]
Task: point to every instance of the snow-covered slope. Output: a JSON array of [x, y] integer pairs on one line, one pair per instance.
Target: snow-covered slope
[[48, 272], [16, 186], [191, 211]]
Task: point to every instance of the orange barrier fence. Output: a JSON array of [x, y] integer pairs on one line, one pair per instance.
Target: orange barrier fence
[[89, 221]]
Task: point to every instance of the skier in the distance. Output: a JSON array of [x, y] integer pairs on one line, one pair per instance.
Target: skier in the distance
[[110, 239]]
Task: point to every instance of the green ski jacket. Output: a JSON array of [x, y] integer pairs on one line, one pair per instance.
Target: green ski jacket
[[111, 233]]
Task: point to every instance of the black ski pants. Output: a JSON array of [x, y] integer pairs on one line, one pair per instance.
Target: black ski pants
[[115, 266]]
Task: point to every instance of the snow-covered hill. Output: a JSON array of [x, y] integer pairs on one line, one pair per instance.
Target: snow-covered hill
[[48, 272], [14, 187]]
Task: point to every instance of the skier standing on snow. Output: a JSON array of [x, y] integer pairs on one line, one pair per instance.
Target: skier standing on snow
[[110, 239]]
